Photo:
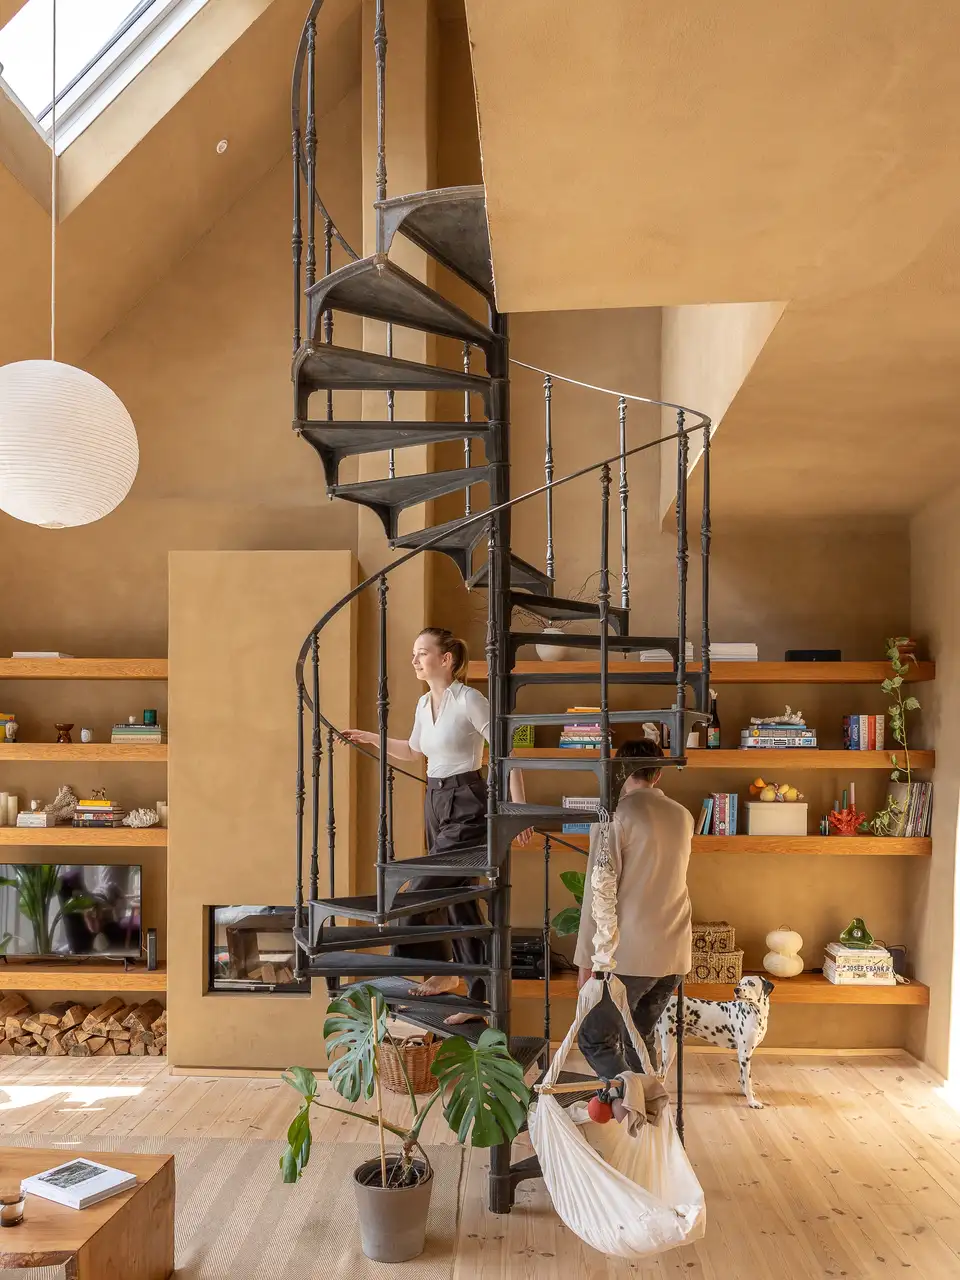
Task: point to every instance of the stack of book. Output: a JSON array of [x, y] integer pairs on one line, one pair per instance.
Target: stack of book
[[587, 734], [664, 655], [863, 733], [855, 967], [36, 818], [579, 802], [718, 816], [140, 734], [764, 735], [98, 813], [920, 809], [734, 653]]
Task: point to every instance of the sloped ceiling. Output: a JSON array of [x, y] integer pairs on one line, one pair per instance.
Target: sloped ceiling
[[164, 193], [643, 155]]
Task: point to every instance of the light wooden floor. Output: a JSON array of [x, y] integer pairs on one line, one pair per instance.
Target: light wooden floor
[[852, 1170]]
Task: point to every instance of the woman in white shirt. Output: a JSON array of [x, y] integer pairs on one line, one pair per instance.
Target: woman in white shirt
[[450, 727]]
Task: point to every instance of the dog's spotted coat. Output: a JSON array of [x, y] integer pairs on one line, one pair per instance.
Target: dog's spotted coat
[[738, 1024]]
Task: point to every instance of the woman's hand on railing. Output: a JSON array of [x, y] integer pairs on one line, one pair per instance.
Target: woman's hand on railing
[[397, 748]]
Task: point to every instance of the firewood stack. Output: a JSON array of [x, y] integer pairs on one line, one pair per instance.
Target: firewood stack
[[112, 1029]]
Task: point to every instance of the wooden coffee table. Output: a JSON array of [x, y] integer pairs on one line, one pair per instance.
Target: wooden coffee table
[[128, 1237]]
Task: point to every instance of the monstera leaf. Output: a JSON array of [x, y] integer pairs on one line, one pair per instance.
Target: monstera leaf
[[485, 1097], [567, 921], [356, 1023]]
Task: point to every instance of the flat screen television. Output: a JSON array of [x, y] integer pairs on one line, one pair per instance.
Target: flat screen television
[[47, 909]]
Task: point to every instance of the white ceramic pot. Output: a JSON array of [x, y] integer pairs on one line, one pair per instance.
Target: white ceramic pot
[[555, 652]]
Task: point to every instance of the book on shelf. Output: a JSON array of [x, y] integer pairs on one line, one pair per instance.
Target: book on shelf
[[919, 815], [733, 652], [664, 655], [79, 1183], [706, 817], [724, 819], [586, 803], [863, 733], [850, 977], [36, 818], [772, 729], [39, 653], [772, 742]]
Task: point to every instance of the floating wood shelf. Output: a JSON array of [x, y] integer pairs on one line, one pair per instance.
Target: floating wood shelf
[[806, 988], [804, 846], [79, 977], [756, 759], [734, 672], [82, 837], [83, 668], [88, 752]]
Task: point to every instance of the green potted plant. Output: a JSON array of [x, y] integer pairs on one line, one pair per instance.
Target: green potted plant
[[567, 921], [37, 888], [480, 1087], [891, 819]]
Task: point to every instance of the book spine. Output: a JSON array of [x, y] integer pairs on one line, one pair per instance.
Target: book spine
[[734, 807], [881, 726]]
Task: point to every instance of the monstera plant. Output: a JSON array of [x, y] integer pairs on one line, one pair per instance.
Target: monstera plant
[[479, 1086], [567, 921]]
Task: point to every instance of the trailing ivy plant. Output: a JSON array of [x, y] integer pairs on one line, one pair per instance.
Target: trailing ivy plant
[[890, 820]]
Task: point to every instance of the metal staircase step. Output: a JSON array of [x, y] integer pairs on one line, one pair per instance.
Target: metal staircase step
[[555, 609], [387, 498], [334, 441], [576, 640], [357, 964], [449, 224], [665, 678], [357, 937], [522, 575], [377, 288], [399, 995], [364, 906], [466, 862], [690, 718], [458, 541], [326, 367]]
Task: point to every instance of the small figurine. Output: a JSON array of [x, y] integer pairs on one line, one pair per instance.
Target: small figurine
[[788, 717], [99, 793], [857, 935], [86, 735], [63, 732], [10, 730]]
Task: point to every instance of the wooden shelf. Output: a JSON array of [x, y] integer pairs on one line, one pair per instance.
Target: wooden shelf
[[83, 668], [79, 977], [734, 672], [757, 760], [804, 846], [88, 752], [806, 988], [81, 837]]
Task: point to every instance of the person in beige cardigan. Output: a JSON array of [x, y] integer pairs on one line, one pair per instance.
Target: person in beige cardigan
[[649, 843]]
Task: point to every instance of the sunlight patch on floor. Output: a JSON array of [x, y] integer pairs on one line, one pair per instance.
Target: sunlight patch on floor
[[15, 1096]]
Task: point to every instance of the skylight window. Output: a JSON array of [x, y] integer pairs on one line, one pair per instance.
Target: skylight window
[[102, 45]]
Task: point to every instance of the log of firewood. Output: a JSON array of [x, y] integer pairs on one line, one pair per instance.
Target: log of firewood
[[79, 1051], [96, 1043], [153, 1051], [40, 1039], [107, 1051], [142, 1018], [12, 1027], [19, 1049], [68, 1038], [268, 974], [254, 974], [36, 1052], [120, 1047], [32, 1024], [83, 1035], [160, 1025], [115, 1022], [74, 1016], [7, 1048], [98, 1016], [55, 1048], [12, 1004], [54, 1014], [284, 975], [49, 1032], [121, 1034], [138, 1049], [25, 1039]]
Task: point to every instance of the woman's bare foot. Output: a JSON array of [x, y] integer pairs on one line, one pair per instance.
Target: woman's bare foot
[[456, 1019], [437, 986]]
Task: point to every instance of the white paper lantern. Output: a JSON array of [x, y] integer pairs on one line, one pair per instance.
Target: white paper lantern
[[68, 447]]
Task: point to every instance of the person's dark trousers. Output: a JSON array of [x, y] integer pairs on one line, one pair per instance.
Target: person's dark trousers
[[603, 1039], [455, 817]]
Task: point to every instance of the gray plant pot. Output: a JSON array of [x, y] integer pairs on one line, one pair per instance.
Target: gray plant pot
[[393, 1220]]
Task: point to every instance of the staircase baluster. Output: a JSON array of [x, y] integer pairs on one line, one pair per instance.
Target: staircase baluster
[[546, 943], [624, 505], [331, 816], [548, 471], [298, 911], [603, 600], [392, 457], [328, 314], [706, 535], [380, 49], [383, 708], [491, 647], [310, 143], [391, 850], [467, 442], [679, 745], [296, 239], [316, 754]]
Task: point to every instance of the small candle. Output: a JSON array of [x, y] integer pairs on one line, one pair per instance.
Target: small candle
[[4, 797], [11, 1207], [13, 806], [853, 795]]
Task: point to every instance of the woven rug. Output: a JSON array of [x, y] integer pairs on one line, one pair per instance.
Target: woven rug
[[237, 1221]]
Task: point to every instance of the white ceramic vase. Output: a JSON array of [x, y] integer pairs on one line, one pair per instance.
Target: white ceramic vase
[[555, 652]]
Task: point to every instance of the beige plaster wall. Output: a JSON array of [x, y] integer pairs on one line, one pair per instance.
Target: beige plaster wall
[[237, 620], [935, 618]]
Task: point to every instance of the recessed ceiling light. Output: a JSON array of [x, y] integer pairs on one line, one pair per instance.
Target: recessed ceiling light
[[221, 146]]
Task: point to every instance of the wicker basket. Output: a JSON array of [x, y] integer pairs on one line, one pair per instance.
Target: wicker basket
[[716, 966], [418, 1055], [714, 935]]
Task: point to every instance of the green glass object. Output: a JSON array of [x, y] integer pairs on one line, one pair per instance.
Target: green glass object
[[856, 934]]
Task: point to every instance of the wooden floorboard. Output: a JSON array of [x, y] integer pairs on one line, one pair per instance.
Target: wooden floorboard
[[851, 1170]]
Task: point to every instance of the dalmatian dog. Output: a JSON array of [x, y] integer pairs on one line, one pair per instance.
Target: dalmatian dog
[[738, 1024]]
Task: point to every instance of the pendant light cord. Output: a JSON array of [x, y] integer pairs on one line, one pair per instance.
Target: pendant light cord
[[53, 199]]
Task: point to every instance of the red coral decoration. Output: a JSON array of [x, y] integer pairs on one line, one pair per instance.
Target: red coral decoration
[[845, 821]]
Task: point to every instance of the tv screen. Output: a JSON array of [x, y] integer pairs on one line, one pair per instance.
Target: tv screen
[[48, 909]]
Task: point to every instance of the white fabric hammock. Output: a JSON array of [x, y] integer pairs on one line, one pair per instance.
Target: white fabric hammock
[[628, 1197]]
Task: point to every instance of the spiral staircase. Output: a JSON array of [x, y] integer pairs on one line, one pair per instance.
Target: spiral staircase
[[341, 939]]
